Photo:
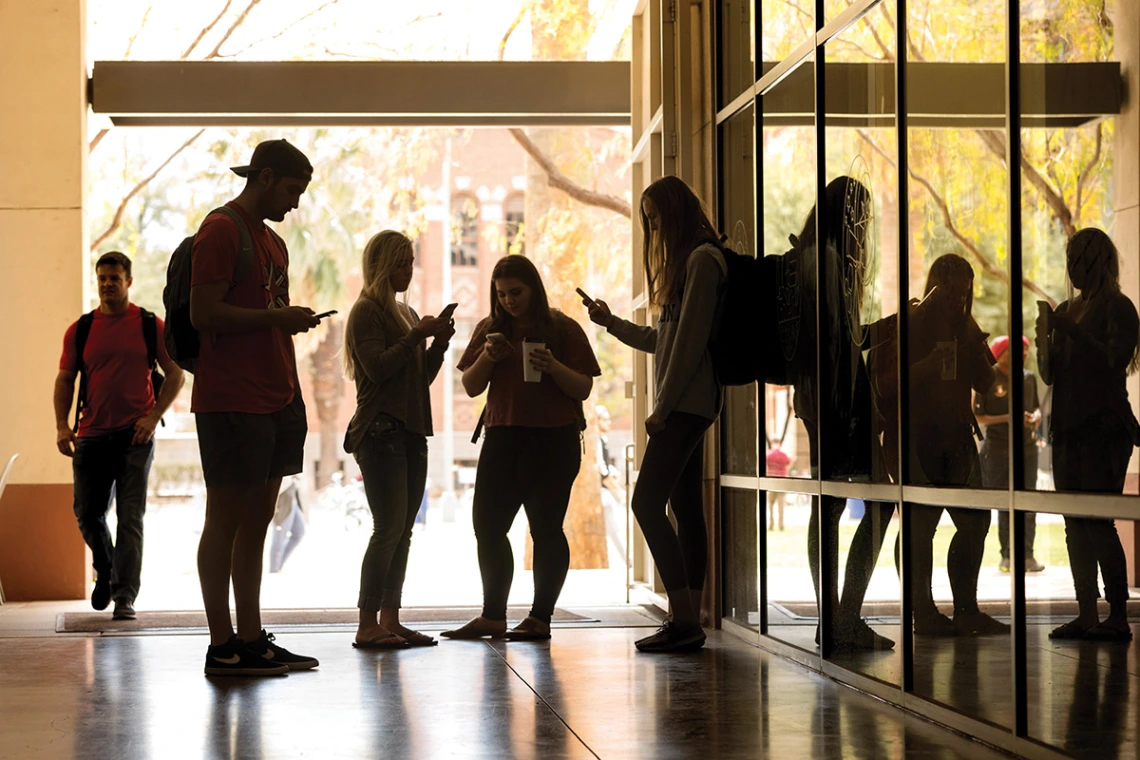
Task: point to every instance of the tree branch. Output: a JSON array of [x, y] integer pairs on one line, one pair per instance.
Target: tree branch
[[559, 181], [206, 30], [996, 143], [233, 28], [523, 10], [117, 220], [308, 15], [948, 221], [142, 25], [1087, 171]]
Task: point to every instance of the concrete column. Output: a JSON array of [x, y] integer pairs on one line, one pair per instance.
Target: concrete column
[[43, 244], [1126, 225]]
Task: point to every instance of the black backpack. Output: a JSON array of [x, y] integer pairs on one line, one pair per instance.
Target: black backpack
[[150, 335], [183, 342], [746, 345]]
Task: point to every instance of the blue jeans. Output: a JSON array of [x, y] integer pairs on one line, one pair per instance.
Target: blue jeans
[[393, 463], [106, 467]]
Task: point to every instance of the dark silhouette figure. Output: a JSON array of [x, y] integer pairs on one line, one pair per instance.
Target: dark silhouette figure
[[948, 356], [1087, 349]]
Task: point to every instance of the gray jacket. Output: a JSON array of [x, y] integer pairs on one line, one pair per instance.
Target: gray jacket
[[393, 371], [685, 380]]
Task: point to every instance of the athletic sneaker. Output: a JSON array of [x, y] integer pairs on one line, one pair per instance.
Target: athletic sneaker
[[672, 638], [265, 647], [234, 658], [124, 610], [101, 594]]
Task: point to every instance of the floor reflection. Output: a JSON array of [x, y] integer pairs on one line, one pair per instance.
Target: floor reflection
[[586, 693]]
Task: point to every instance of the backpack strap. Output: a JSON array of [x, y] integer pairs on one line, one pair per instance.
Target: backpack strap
[[82, 331], [244, 262], [150, 335]]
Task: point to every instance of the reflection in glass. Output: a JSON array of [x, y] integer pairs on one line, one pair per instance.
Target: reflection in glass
[[992, 412], [949, 356], [1088, 347], [740, 452], [738, 49]]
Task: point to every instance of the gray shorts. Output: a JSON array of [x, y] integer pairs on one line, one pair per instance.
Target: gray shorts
[[239, 448]]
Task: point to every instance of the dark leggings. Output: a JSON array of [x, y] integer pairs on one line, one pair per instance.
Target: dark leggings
[[394, 467], [951, 461], [533, 468], [1096, 461], [865, 546], [671, 472]]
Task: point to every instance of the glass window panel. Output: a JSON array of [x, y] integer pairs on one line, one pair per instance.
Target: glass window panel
[[737, 49], [859, 269], [1082, 691], [313, 30], [784, 26], [741, 549], [959, 285], [793, 614], [789, 180], [1081, 250], [740, 452]]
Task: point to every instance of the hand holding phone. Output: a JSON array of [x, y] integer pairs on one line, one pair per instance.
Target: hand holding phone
[[497, 347], [585, 298], [448, 311], [324, 314]]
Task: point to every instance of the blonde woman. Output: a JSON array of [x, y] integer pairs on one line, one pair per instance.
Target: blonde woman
[[384, 353]]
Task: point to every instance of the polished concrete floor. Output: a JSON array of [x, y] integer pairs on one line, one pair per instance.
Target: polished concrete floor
[[587, 693]]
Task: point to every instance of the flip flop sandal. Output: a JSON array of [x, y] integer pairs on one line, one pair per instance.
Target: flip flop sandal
[[526, 634], [459, 634], [417, 639], [1102, 632], [1069, 631], [387, 641]]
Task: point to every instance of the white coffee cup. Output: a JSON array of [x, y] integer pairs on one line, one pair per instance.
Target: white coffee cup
[[530, 374]]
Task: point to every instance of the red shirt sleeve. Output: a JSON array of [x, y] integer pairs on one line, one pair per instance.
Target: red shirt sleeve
[[214, 255], [68, 361], [474, 347], [160, 337], [578, 354]]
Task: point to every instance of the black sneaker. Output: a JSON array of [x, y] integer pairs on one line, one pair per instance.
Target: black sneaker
[[236, 659], [101, 594], [265, 647], [124, 610], [672, 638]]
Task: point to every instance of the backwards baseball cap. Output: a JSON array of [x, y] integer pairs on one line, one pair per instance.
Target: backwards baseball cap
[[279, 155]]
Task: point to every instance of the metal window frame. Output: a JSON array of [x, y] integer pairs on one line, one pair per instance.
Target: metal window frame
[[1014, 499]]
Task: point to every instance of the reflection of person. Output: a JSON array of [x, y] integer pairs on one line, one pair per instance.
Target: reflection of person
[[120, 405], [777, 465], [247, 403], [992, 412], [384, 353], [948, 356], [612, 499], [532, 450], [1086, 350], [288, 524], [851, 448], [686, 271]]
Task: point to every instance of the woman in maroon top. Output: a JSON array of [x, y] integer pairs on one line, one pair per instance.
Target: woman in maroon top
[[532, 450]]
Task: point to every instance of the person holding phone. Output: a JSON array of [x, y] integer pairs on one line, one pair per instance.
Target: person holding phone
[[686, 272], [384, 353], [537, 368]]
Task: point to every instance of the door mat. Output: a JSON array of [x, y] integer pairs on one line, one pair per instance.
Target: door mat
[[99, 622], [1033, 608]]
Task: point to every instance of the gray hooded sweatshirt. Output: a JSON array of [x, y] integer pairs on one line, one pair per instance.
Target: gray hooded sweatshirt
[[684, 376]]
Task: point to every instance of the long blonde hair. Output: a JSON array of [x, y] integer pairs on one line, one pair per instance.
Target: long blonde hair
[[381, 258], [683, 224]]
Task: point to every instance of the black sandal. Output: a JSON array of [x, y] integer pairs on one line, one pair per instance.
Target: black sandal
[[1071, 630]]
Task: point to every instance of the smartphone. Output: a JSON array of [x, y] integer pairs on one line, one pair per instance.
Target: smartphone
[[496, 338], [585, 298], [448, 311], [324, 314]]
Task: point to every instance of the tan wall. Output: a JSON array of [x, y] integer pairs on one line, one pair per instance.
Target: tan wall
[[43, 81]]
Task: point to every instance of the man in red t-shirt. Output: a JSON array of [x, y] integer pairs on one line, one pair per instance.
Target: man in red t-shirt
[[115, 443], [247, 403]]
